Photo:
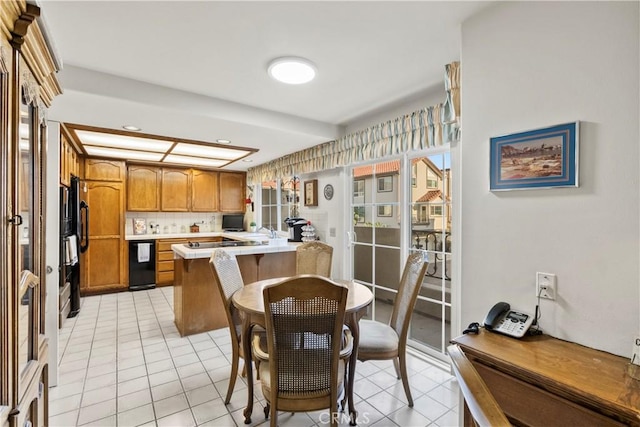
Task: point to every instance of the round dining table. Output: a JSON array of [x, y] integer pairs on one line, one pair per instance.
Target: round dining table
[[248, 300]]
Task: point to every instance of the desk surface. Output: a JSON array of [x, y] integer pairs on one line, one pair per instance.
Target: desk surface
[[249, 298], [586, 376]]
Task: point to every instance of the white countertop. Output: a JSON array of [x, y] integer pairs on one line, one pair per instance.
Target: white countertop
[[242, 235], [193, 253]]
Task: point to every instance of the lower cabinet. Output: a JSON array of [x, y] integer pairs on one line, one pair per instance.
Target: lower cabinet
[[33, 408], [164, 257]]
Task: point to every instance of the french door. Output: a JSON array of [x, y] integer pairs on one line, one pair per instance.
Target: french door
[[401, 206]]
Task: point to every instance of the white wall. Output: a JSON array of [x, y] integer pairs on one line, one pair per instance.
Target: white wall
[[530, 65]]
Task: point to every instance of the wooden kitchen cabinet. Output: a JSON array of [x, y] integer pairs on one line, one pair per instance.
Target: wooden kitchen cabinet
[[104, 264], [143, 188], [175, 194], [232, 194], [69, 161], [164, 257], [204, 191], [104, 170]]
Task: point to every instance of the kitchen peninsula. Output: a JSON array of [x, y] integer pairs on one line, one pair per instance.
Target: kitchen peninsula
[[197, 304]]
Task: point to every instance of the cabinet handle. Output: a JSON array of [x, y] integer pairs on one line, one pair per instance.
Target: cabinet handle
[[15, 220]]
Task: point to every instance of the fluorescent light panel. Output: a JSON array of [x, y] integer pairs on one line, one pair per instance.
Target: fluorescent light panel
[[123, 154], [198, 161], [122, 141], [206, 151]]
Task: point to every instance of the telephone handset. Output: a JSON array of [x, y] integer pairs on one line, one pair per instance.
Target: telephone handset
[[506, 321]]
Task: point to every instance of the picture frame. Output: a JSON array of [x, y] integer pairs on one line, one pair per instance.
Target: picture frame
[[535, 159], [311, 193], [139, 226]]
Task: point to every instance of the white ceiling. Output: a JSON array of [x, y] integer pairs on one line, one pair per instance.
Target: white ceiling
[[197, 70]]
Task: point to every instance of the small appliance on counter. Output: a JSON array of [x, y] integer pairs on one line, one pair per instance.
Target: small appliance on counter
[[295, 228], [195, 228]]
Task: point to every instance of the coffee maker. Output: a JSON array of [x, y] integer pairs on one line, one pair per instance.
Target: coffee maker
[[295, 228]]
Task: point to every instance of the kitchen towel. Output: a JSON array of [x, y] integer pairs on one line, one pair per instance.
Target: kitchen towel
[[144, 251], [71, 250]]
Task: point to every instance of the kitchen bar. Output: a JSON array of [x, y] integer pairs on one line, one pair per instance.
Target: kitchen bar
[[197, 302]]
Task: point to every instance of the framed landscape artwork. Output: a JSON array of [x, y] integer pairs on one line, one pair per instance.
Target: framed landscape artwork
[[542, 158]]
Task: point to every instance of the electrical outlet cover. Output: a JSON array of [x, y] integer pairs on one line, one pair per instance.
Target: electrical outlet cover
[[635, 356]]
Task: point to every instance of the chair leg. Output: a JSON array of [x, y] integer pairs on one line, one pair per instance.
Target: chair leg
[[396, 365], [232, 378], [405, 377], [274, 417], [266, 411]]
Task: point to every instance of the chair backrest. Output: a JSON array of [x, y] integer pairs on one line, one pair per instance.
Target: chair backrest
[[408, 289], [228, 278], [314, 258], [479, 402], [304, 317]]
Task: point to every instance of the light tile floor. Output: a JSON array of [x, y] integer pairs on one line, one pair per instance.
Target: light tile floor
[[124, 364]]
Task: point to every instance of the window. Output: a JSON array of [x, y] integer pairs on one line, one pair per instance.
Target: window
[[385, 210], [358, 191], [414, 175], [432, 179], [385, 184], [435, 210]]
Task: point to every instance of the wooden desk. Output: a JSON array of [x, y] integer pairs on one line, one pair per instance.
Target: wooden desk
[[249, 301], [544, 381]]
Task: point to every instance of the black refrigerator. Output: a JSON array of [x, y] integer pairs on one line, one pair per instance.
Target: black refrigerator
[[74, 239]]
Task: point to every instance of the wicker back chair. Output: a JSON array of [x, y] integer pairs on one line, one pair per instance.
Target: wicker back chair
[[380, 341], [304, 375], [314, 258], [228, 278]]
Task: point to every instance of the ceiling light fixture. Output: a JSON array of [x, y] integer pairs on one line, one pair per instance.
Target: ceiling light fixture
[[292, 70], [131, 128], [223, 141]]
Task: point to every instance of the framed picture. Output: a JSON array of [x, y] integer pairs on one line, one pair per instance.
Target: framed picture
[[385, 210], [139, 226], [311, 193], [542, 158], [385, 184]]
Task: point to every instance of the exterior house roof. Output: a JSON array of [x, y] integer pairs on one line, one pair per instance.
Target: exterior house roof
[[430, 196]]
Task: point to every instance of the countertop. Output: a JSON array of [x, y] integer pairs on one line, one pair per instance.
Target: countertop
[[180, 250], [241, 235]]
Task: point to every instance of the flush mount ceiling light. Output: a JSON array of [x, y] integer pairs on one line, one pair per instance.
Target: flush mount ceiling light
[[131, 128], [292, 70], [223, 141]]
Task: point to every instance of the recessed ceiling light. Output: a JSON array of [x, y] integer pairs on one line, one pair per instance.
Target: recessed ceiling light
[[292, 70], [247, 160], [131, 128], [223, 141]]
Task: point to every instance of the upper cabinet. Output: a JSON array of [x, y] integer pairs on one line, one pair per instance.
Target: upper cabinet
[[156, 189], [175, 194], [143, 188], [104, 170], [204, 191], [232, 195], [69, 161]]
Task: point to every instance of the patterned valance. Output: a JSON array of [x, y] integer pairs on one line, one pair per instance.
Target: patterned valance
[[424, 128]]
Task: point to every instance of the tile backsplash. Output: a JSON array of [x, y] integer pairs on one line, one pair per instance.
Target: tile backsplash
[[175, 222]]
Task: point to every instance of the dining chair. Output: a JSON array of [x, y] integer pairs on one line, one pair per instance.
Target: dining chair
[[309, 375], [314, 258], [388, 341], [228, 279]]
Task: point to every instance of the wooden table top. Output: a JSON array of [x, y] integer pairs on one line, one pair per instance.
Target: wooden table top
[[249, 298], [576, 371]]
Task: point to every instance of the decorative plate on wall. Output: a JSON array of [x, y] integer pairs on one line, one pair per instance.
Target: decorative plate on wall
[[328, 191]]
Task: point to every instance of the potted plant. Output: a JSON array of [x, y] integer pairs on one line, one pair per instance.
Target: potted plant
[[252, 226]]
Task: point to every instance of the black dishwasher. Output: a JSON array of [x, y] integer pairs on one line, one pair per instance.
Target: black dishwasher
[[142, 265]]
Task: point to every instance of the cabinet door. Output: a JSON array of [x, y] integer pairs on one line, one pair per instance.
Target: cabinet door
[[103, 170], [104, 263], [175, 190], [204, 191], [143, 188], [232, 194]]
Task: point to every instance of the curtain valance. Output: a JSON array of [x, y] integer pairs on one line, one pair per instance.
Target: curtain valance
[[424, 128]]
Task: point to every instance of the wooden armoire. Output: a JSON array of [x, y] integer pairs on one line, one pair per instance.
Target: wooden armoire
[[28, 85]]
